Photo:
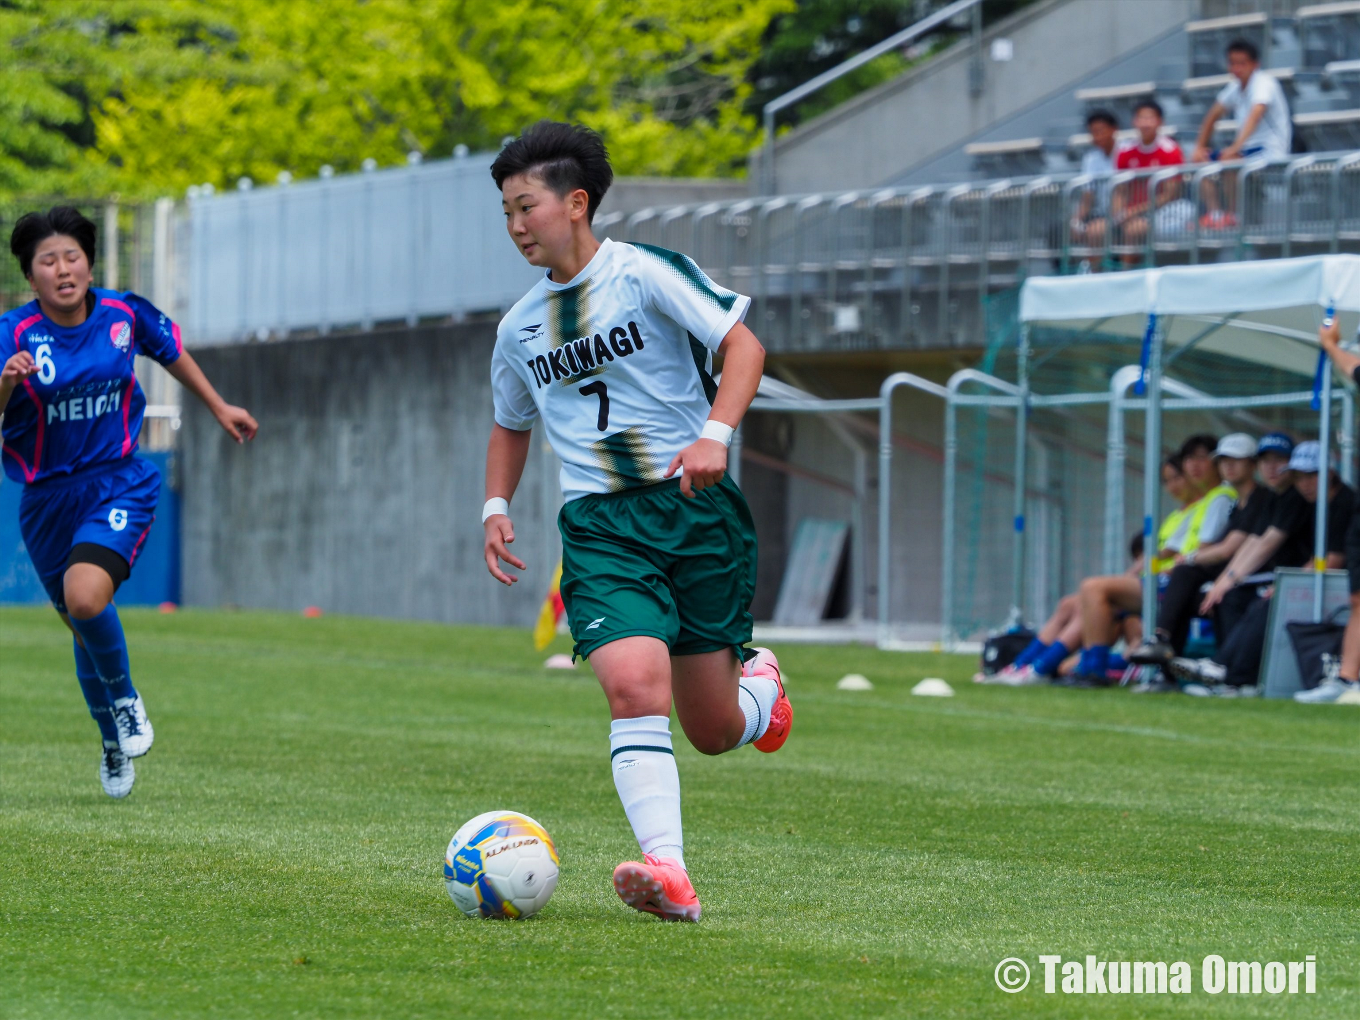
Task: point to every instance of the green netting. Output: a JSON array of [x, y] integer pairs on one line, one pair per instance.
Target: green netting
[[1068, 490]]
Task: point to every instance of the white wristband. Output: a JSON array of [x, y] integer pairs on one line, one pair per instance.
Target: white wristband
[[495, 505], [718, 432]]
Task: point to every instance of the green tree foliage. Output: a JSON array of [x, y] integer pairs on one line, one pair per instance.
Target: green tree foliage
[[145, 97], [819, 34]]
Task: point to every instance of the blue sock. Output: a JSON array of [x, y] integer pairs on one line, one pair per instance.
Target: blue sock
[[1095, 661], [96, 694], [1032, 651], [1048, 663], [103, 637]]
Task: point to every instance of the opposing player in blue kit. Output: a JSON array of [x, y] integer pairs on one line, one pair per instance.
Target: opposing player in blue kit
[[72, 418]]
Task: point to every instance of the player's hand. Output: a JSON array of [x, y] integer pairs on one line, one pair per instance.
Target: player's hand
[[1212, 598], [500, 532], [237, 422], [1330, 336], [19, 368], [702, 463], [1231, 152], [1200, 155]]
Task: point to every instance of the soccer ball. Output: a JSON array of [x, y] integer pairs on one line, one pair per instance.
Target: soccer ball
[[500, 864]]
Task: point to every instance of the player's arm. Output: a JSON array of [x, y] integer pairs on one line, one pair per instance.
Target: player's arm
[[1206, 132], [17, 369], [1244, 132], [235, 420], [1329, 336], [704, 461], [1246, 562], [506, 453]]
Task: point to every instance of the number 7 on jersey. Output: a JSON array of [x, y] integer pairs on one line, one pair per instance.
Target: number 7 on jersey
[[598, 387]]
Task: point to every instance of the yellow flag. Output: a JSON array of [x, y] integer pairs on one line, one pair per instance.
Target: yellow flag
[[551, 612]]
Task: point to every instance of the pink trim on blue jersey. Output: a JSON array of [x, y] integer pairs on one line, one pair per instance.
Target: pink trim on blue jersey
[[140, 539], [19, 329], [84, 408]]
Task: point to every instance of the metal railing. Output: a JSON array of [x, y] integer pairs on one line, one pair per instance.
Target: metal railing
[[912, 267]]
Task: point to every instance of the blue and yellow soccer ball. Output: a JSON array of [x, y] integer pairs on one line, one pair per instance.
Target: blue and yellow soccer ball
[[501, 864]]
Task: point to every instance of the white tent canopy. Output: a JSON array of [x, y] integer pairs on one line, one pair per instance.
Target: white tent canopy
[[1269, 310]]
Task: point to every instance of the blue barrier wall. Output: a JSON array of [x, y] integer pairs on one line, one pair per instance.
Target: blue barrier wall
[[154, 580]]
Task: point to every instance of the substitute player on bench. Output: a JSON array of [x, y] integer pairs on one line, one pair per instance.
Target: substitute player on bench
[[613, 349], [73, 414]]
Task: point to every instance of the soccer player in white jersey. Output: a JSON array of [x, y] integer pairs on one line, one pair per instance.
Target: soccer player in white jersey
[[613, 350]]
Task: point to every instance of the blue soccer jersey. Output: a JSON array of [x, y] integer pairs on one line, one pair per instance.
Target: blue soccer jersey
[[83, 407]]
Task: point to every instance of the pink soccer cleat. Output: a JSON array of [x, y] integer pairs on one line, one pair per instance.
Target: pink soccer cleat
[[660, 886], [781, 715]]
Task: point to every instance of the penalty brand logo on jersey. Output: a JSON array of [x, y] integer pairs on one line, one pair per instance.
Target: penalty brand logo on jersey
[[588, 354], [531, 332], [121, 335]]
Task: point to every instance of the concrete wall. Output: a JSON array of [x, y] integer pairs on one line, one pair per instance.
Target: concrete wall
[[885, 132], [363, 492]]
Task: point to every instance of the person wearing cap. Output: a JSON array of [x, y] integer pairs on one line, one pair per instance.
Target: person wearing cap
[[1235, 460], [1272, 461], [1105, 600], [1287, 542], [1345, 685]]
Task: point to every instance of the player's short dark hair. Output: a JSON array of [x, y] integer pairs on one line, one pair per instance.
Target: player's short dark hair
[[1174, 461], [1136, 545], [565, 156], [32, 228], [1150, 104], [1102, 117], [1200, 442], [1245, 47]]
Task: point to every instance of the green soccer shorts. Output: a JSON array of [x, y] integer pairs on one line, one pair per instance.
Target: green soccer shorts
[[648, 561]]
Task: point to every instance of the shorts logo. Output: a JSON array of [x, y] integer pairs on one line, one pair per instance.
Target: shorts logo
[[595, 623], [117, 519], [121, 335]]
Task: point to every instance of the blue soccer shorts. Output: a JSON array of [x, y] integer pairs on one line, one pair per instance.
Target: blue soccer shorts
[[110, 505]]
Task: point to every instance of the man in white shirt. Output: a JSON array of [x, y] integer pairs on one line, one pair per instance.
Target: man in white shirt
[[1093, 209], [1257, 104]]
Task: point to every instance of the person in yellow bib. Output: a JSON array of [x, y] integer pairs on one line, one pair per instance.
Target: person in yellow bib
[[1201, 519]]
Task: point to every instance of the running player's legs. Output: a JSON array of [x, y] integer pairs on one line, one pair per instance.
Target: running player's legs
[[705, 690]]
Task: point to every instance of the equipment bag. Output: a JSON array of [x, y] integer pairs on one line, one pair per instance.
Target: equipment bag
[[1317, 647], [1000, 650]]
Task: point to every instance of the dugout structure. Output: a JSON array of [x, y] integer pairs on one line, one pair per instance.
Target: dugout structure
[[1089, 380]]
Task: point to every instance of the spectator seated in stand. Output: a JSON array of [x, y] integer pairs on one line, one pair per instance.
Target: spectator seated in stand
[[1060, 637], [1258, 106], [1287, 542], [1132, 207], [1344, 687], [1203, 521], [1235, 459], [1092, 214]]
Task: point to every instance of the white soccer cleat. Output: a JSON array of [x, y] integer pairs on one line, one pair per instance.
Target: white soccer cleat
[[134, 728], [1025, 676], [116, 773], [1326, 693]]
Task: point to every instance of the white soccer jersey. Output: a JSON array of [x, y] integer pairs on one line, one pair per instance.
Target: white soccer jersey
[[618, 364]]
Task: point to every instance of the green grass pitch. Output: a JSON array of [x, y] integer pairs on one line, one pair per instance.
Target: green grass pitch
[[281, 853]]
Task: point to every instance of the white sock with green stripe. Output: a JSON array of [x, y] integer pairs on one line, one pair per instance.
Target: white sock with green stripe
[[648, 782], [756, 695]]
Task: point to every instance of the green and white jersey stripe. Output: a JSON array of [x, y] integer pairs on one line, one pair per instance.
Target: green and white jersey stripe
[[617, 364]]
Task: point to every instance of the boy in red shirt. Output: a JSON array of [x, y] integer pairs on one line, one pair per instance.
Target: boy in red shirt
[[1130, 203]]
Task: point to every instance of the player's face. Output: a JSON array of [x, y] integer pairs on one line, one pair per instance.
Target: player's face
[[1240, 66], [1147, 122], [61, 274], [1274, 470], [1236, 470], [1307, 484], [1102, 135], [1199, 468], [538, 219], [1174, 483]]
